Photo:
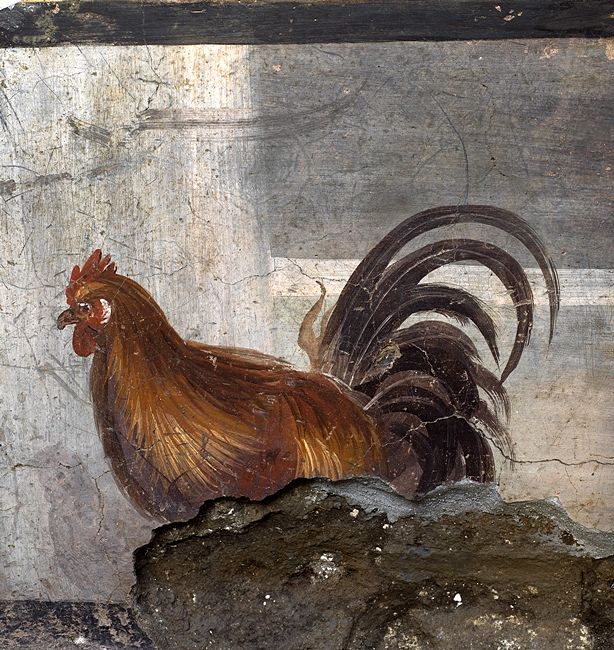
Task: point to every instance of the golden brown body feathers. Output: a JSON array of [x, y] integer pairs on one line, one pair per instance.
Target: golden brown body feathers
[[183, 422]]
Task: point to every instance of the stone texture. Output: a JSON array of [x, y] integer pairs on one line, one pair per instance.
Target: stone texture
[[40, 625], [353, 566]]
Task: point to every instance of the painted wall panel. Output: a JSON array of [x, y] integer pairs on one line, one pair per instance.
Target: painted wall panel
[[226, 180]]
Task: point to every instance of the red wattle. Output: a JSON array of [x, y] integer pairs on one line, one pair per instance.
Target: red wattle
[[83, 342]]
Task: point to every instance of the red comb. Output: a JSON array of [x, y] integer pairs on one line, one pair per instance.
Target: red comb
[[95, 267]]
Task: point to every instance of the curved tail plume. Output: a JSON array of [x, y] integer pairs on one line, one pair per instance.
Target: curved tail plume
[[425, 383]]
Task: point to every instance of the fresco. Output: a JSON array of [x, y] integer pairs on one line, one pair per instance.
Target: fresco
[[228, 181], [182, 421]]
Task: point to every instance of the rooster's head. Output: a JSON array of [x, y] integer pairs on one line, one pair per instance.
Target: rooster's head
[[87, 309]]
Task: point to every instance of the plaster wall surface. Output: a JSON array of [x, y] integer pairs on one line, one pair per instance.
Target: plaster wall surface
[[226, 180]]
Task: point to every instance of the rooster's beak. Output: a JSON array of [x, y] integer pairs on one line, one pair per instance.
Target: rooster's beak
[[67, 317]]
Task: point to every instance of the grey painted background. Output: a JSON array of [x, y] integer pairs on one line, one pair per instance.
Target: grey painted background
[[226, 179]]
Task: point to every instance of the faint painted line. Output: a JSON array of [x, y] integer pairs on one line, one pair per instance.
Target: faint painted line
[[297, 277], [246, 123]]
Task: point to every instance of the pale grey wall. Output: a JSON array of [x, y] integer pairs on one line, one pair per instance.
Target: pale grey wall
[[202, 168], [176, 210]]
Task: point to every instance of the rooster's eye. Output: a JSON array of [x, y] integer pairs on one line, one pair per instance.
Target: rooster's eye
[[84, 307]]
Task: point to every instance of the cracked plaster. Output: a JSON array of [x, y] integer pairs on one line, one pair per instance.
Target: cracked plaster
[[213, 219]]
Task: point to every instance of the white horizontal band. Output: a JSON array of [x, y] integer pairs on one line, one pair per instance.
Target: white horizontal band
[[297, 277]]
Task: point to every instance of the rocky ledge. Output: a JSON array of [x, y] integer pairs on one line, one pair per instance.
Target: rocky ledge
[[353, 566]]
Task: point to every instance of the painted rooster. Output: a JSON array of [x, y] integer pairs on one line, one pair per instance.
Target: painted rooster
[[182, 422]]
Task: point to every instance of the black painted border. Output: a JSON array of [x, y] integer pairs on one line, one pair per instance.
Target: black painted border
[[136, 22]]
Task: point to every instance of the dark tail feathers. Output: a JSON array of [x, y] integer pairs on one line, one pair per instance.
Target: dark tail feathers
[[425, 382]]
